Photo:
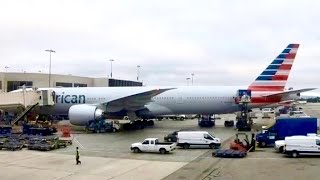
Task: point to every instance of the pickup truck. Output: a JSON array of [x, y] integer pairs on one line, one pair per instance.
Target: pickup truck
[[153, 145]]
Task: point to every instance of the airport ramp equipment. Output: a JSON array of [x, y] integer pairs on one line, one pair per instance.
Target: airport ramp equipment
[[26, 98], [26, 101], [21, 115], [18, 99], [229, 153]]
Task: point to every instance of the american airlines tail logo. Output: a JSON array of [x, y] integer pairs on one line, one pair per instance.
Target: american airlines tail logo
[[74, 99], [275, 76]]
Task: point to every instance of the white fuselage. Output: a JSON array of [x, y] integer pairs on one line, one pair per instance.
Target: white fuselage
[[181, 100]]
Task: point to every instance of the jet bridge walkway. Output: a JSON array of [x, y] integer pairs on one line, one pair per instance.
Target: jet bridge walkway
[[23, 102], [13, 100]]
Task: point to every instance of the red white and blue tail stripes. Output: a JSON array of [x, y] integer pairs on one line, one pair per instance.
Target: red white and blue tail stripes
[[275, 76]]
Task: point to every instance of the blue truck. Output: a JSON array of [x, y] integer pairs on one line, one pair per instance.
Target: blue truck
[[286, 126]]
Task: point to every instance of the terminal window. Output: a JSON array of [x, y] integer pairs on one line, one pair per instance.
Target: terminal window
[[79, 85], [63, 84], [14, 85], [118, 82]]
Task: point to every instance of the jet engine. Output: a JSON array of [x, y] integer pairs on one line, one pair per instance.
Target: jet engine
[[293, 96], [82, 113]]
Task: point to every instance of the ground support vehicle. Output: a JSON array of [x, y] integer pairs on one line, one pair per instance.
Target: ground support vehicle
[[153, 145], [206, 121], [31, 129], [229, 153], [41, 145], [5, 129], [197, 138], [238, 148], [64, 142], [47, 142], [11, 145], [229, 123], [243, 144], [286, 126], [101, 126], [307, 145]]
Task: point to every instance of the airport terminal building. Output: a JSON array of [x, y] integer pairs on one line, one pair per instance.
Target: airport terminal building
[[11, 81]]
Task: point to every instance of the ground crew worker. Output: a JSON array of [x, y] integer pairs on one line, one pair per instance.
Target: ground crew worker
[[78, 156]]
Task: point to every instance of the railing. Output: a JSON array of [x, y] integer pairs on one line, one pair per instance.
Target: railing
[[21, 115]]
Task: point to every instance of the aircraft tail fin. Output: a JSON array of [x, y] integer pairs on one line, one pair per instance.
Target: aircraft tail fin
[[275, 76]]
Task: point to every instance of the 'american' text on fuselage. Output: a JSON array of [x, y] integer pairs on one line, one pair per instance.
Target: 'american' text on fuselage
[[75, 99]]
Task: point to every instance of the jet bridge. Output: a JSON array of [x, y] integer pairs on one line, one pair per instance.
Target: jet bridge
[[23, 101]]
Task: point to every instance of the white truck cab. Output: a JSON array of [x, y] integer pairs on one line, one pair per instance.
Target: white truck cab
[[202, 138]]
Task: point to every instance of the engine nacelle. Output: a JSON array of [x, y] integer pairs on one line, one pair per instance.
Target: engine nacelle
[[80, 114], [294, 96]]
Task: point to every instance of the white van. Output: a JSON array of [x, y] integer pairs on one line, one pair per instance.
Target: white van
[[187, 138], [296, 145]]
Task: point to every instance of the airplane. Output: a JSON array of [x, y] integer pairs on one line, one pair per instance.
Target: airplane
[[87, 103]]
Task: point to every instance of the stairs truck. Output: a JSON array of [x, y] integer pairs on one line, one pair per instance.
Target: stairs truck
[[286, 126]]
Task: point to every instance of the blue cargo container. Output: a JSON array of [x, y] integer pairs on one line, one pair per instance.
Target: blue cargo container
[[284, 127]]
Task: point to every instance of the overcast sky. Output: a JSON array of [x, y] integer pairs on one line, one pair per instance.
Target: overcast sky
[[221, 42]]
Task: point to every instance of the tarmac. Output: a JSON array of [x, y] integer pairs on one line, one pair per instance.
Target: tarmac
[[32, 165], [108, 156]]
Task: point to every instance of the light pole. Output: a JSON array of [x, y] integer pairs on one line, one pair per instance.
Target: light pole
[[50, 51], [192, 79], [188, 81], [138, 67], [111, 60]]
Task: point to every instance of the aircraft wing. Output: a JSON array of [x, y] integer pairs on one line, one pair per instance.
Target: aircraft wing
[[286, 93], [133, 102]]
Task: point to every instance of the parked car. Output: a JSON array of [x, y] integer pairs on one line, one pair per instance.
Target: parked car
[[200, 138], [153, 145]]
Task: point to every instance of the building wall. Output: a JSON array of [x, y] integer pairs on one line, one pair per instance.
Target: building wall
[[42, 80], [100, 82]]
